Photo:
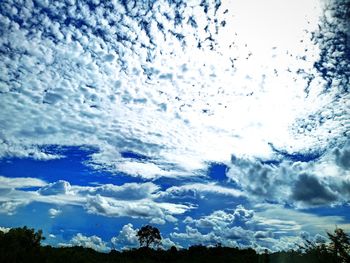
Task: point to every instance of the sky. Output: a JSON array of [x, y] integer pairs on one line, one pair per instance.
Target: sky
[[214, 121]]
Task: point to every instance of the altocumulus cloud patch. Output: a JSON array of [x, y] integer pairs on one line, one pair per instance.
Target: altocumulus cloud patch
[[160, 92]]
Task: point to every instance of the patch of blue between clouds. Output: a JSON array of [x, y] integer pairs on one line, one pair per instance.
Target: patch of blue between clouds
[[342, 211], [217, 171], [133, 155], [72, 168], [35, 215], [298, 157]]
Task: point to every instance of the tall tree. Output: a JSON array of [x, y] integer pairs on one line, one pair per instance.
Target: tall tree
[[148, 235], [340, 245]]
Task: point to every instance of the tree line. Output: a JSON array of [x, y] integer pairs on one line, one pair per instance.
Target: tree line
[[24, 245]]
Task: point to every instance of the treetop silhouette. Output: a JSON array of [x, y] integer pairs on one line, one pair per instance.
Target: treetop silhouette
[[149, 235]]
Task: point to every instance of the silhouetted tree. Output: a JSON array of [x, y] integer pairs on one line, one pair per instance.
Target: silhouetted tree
[[20, 245], [148, 235], [340, 245]]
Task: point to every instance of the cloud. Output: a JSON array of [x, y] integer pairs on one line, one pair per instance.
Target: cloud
[[167, 243], [193, 236], [309, 190], [265, 226], [59, 187], [332, 36], [278, 218], [126, 238], [158, 221], [54, 212], [183, 84], [200, 188], [128, 191], [138, 209], [143, 170], [219, 227], [93, 242], [20, 182], [4, 229], [10, 207], [146, 79], [299, 181], [220, 219], [130, 199], [342, 156]]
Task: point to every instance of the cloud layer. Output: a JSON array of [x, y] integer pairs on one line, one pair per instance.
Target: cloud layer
[[159, 91], [164, 80]]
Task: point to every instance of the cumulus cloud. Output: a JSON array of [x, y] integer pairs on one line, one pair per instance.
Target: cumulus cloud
[[285, 220], [167, 243], [93, 242], [59, 187], [193, 236], [300, 180], [223, 227], [126, 238], [130, 199], [54, 212], [266, 226]]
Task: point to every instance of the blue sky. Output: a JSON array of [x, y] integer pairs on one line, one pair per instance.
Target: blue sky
[[216, 121]]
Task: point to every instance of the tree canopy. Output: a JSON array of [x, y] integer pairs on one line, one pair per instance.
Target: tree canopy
[[149, 235]]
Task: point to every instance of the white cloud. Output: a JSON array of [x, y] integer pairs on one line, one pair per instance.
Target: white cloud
[[267, 226], [9, 207], [230, 228], [167, 243], [138, 209], [4, 229], [129, 85], [93, 242], [126, 238], [140, 169], [54, 212], [59, 187], [158, 221], [199, 188], [20, 182], [130, 199], [183, 93]]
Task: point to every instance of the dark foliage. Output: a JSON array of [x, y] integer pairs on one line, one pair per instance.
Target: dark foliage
[[149, 235], [23, 245], [20, 245]]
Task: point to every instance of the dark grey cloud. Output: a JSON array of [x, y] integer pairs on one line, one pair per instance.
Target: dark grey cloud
[[342, 156], [318, 182], [309, 189]]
